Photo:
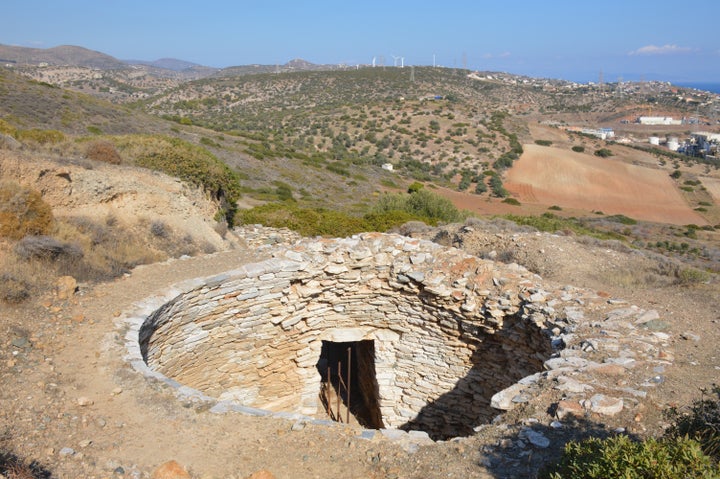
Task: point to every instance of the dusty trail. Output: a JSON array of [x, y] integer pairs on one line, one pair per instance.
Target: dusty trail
[[119, 424]]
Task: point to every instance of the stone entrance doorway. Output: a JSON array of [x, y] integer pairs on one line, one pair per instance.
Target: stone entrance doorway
[[349, 389]]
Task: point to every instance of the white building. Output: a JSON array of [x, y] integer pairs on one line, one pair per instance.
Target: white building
[[602, 133], [387, 166], [658, 120]]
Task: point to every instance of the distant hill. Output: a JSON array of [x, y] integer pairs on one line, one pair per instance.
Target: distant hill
[[61, 55], [167, 63], [294, 65]]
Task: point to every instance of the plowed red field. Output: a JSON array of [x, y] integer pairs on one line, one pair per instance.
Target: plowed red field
[[552, 176]]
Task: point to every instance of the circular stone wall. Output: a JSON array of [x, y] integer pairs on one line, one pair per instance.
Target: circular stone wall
[[448, 330]]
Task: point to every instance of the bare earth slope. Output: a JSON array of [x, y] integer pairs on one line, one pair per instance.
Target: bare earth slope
[[98, 190], [551, 176]]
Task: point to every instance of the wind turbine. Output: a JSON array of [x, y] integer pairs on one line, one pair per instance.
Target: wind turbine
[[373, 62], [395, 59]]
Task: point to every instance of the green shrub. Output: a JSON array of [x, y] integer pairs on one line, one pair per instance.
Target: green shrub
[[23, 212], [622, 219], [691, 276], [415, 186], [621, 457], [700, 422], [555, 208], [283, 191], [306, 221], [603, 153], [553, 223], [511, 201], [421, 204], [389, 219], [578, 149], [543, 142], [497, 187], [40, 136]]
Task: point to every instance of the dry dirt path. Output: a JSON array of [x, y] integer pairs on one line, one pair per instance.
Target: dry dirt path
[[81, 411]]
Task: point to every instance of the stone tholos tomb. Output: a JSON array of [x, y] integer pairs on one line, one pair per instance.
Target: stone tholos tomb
[[401, 332]]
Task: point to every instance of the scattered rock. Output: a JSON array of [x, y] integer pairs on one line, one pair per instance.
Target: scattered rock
[[261, 474], [656, 325], [503, 400], [690, 336], [607, 369], [20, 343], [535, 438], [567, 408], [65, 287], [67, 451], [170, 470], [605, 405], [647, 316], [568, 384], [84, 401]]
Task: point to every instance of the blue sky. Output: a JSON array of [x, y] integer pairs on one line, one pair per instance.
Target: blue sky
[[570, 39]]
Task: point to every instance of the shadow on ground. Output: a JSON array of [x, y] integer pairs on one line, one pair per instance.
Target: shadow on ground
[[523, 450]]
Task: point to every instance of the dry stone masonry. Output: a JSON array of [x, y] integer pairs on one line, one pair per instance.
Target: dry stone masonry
[[441, 341]]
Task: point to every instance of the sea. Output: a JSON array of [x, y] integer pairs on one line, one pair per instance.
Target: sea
[[711, 87]]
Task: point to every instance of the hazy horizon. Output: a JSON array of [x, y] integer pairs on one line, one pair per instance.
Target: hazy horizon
[[577, 41]]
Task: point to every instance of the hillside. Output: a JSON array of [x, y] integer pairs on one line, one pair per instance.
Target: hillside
[[115, 186], [64, 55]]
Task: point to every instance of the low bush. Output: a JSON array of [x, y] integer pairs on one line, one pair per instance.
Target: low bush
[[578, 149], [19, 280], [553, 223], [23, 212], [691, 276], [159, 229], [388, 220], [422, 204], [700, 421], [511, 201], [603, 153], [39, 136], [497, 187], [622, 219], [103, 151], [620, 456], [306, 221], [543, 142], [46, 248], [14, 288]]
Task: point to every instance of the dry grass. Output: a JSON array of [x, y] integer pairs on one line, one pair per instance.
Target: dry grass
[[89, 250], [103, 151], [23, 212], [13, 466]]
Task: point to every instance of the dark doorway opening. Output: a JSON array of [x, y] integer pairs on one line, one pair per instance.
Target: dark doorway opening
[[349, 388]]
